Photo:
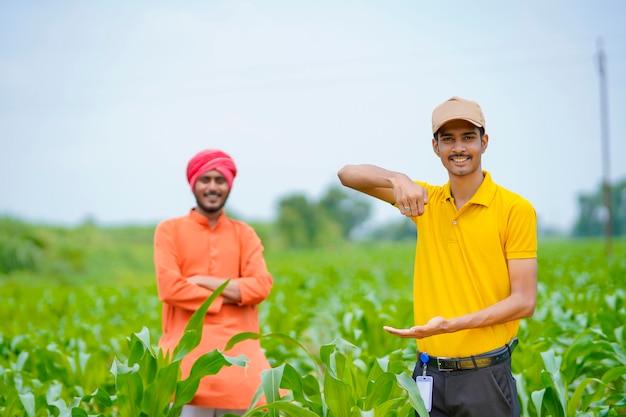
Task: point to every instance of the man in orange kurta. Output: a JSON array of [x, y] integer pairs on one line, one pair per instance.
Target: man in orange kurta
[[195, 254]]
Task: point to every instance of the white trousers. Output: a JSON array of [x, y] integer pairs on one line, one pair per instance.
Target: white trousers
[[195, 411]]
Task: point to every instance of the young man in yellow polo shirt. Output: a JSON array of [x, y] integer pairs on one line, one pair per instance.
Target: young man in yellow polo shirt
[[475, 268]]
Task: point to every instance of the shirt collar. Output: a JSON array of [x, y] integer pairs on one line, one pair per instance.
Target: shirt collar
[[200, 219], [484, 194]]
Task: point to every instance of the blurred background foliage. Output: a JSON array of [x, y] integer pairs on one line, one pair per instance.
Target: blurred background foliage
[[340, 215]]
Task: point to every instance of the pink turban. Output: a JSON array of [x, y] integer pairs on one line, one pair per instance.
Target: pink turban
[[208, 160]]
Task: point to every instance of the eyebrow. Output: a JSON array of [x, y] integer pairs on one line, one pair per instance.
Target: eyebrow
[[212, 175], [471, 132]]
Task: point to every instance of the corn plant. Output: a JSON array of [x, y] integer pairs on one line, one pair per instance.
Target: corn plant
[[555, 400], [351, 384], [148, 383], [63, 333]]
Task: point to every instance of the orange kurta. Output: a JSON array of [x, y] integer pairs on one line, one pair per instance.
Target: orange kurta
[[188, 246]]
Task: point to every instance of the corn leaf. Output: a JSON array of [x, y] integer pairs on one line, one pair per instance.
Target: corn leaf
[[305, 389], [338, 396], [537, 399], [379, 390], [575, 402], [613, 374], [415, 398], [191, 340], [129, 388], [101, 396], [281, 336], [208, 364], [158, 394], [553, 382], [28, 401]]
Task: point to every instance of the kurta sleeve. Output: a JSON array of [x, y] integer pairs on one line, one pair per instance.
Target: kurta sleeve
[[173, 288], [255, 282]]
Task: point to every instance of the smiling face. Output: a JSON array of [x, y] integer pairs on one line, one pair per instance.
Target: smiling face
[[211, 191], [460, 146]]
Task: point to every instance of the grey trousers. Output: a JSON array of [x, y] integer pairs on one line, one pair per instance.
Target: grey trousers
[[489, 391]]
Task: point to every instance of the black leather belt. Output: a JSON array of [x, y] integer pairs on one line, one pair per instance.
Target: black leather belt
[[473, 362]]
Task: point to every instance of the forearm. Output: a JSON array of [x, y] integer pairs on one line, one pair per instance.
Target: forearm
[[179, 293], [511, 308], [231, 294], [370, 179], [393, 187], [514, 307], [518, 305]]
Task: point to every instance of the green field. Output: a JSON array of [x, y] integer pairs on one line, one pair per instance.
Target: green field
[[80, 295]]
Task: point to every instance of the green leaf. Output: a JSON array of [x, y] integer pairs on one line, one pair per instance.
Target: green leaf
[[270, 383], [291, 409], [28, 401], [338, 396], [551, 378], [522, 393], [119, 368], [552, 404], [129, 392], [148, 367], [101, 396], [159, 394], [143, 336], [379, 391], [136, 349], [575, 401], [60, 405], [79, 412], [551, 362], [240, 337], [415, 398], [613, 374], [195, 325], [393, 407], [53, 392], [537, 398], [186, 344], [208, 364], [304, 389], [332, 358]]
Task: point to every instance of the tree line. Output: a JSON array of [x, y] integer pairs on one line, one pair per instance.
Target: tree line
[[593, 213], [340, 215], [343, 215]]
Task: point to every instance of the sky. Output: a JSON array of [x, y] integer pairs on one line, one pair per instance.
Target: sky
[[102, 104]]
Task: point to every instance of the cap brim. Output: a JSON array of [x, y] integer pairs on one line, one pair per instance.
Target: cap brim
[[474, 122]]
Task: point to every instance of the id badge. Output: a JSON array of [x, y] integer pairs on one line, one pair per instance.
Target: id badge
[[425, 386]]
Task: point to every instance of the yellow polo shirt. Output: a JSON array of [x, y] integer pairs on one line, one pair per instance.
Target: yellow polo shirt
[[461, 262]]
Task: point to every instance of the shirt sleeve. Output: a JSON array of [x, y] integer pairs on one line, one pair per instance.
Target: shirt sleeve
[[173, 288], [255, 282], [521, 241]]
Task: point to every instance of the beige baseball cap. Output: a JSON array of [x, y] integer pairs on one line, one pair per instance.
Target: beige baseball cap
[[457, 108]]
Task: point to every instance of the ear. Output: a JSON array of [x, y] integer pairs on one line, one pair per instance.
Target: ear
[[436, 146], [484, 142]]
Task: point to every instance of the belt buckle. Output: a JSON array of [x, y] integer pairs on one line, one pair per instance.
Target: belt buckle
[[442, 369]]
